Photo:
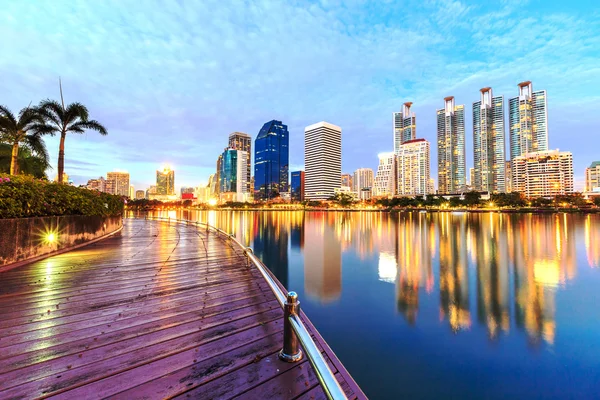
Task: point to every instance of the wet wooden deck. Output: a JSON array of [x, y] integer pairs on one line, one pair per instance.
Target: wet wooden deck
[[158, 311]]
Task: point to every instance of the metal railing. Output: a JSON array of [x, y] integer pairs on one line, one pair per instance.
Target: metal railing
[[294, 330]]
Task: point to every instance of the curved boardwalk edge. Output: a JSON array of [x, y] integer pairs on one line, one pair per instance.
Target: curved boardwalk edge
[[160, 311]]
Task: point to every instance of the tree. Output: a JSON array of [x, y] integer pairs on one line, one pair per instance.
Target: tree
[[62, 120], [597, 201], [472, 198], [455, 202], [28, 163], [25, 131]]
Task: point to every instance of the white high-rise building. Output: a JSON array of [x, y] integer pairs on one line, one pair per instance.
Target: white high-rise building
[[413, 168], [121, 185], [363, 179], [322, 160], [543, 173], [528, 121], [405, 126], [488, 143], [451, 147], [385, 179], [592, 177]]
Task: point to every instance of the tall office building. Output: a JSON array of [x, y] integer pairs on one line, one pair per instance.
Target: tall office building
[[385, 179], [139, 194], [488, 143], [234, 176], [471, 177], [543, 173], [217, 177], [271, 161], [405, 126], [165, 182], [131, 192], [592, 177], [110, 186], [121, 179], [508, 177], [322, 160], [528, 121], [451, 147], [363, 179], [97, 184], [297, 186], [413, 168], [347, 180], [242, 141]]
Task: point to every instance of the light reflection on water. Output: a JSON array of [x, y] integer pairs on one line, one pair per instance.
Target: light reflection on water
[[405, 300]]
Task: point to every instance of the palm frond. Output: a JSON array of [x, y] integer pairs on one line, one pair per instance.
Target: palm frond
[[92, 124], [52, 110], [44, 129], [6, 113], [75, 111], [38, 147]]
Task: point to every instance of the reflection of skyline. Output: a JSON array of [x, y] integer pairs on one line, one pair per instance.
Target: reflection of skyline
[[414, 239], [508, 267], [454, 279], [322, 257]]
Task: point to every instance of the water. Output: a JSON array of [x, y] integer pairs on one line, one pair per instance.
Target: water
[[427, 305]]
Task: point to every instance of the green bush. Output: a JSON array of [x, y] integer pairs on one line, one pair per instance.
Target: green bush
[[25, 196]]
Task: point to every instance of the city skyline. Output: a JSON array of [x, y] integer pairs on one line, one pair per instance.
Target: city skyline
[[148, 83]]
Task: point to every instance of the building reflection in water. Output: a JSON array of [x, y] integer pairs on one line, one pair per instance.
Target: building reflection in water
[[592, 242], [323, 256], [271, 242], [509, 263], [454, 279], [413, 241]]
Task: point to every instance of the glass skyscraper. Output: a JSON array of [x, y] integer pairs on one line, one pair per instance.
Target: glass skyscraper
[[488, 143], [297, 186], [405, 126], [271, 161], [528, 120], [165, 182], [233, 174], [451, 147]]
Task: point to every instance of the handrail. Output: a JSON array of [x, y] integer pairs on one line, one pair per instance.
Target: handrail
[[292, 321]]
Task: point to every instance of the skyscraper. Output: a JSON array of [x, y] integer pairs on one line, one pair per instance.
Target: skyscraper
[[139, 194], [508, 177], [385, 179], [347, 180], [543, 173], [271, 161], [297, 186], [592, 177], [528, 121], [121, 180], [165, 182], [363, 179], [217, 177], [451, 147], [242, 141], [234, 175], [322, 160], [405, 126], [488, 143], [413, 168]]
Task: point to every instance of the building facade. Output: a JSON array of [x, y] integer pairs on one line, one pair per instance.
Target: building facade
[[139, 194], [385, 179], [543, 173], [242, 141], [271, 161], [322, 160], [97, 184], [508, 177], [592, 178], [362, 179], [451, 147], [165, 182], [413, 168], [234, 176], [347, 180], [488, 143], [121, 180], [528, 121], [297, 186], [405, 126]]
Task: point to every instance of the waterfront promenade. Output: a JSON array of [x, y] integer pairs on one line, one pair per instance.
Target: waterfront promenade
[[161, 310]]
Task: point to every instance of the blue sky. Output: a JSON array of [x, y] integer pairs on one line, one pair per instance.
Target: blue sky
[[171, 79]]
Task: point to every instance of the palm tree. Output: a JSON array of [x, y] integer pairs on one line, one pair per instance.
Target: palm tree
[[60, 119], [28, 162], [26, 130]]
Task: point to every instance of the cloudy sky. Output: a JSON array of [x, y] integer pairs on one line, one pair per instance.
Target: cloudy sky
[[171, 79]]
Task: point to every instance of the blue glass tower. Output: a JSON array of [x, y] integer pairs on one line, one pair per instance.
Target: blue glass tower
[[228, 172], [271, 161]]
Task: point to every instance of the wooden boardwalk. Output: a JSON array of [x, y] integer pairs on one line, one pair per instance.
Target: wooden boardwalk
[[158, 311]]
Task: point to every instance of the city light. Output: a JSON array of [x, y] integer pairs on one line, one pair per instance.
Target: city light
[[212, 202]]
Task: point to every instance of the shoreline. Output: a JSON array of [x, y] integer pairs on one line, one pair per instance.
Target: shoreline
[[394, 210]]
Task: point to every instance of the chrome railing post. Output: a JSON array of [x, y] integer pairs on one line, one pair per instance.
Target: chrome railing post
[[291, 350]]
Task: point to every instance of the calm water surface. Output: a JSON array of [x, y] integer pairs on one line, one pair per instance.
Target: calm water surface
[[445, 305]]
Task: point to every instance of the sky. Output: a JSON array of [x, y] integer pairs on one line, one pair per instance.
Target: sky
[[171, 80]]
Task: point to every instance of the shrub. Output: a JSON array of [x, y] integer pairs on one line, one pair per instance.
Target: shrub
[[24, 196]]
